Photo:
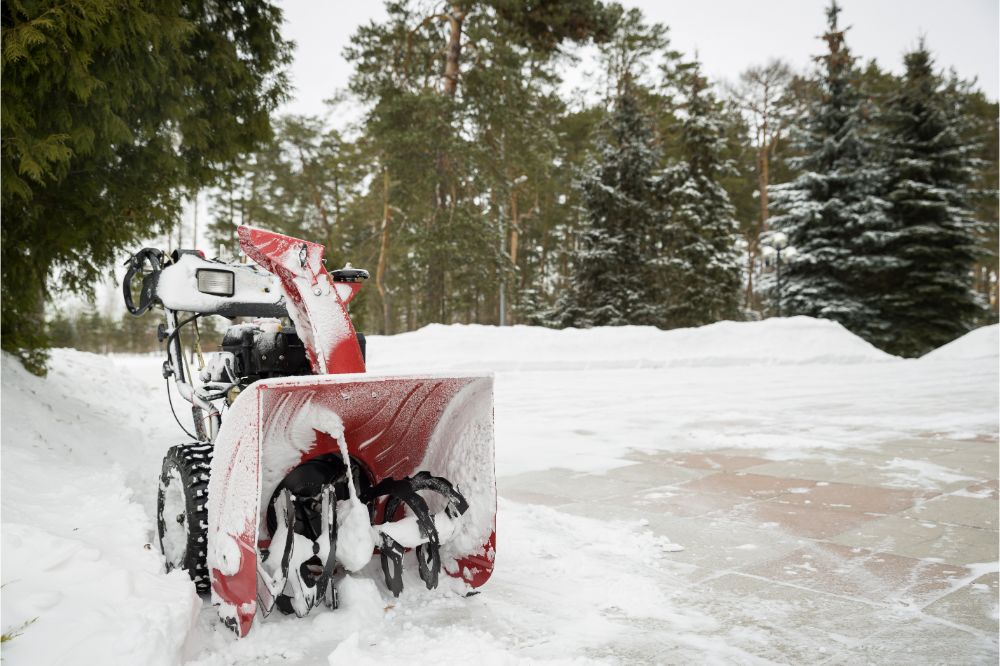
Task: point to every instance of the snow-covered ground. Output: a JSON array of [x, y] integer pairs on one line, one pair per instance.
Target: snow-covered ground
[[82, 583]]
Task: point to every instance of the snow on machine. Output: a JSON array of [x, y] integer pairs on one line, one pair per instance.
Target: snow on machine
[[303, 467]]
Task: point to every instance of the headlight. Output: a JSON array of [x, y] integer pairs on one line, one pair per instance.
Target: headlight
[[218, 283]]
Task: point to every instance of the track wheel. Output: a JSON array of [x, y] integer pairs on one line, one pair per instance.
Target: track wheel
[[182, 511]]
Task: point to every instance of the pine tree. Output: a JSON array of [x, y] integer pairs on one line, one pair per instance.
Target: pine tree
[[930, 168], [610, 285], [455, 102], [831, 212], [700, 278]]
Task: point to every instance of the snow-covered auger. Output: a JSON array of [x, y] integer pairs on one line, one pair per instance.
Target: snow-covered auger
[[303, 467]]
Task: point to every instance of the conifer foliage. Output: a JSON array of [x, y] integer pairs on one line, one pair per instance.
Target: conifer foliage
[[620, 192], [111, 110], [701, 277], [930, 167], [832, 212]]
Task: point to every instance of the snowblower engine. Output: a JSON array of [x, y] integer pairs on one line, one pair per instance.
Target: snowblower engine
[[301, 466], [265, 349]]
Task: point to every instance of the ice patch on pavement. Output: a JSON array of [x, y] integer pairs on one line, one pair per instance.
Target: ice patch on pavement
[[920, 474]]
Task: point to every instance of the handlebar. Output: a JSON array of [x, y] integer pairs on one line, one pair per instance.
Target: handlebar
[[135, 264]]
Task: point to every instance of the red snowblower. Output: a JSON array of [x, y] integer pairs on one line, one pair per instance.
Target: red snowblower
[[302, 467]]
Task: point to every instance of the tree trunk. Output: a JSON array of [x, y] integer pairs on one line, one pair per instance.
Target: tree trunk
[[445, 200], [751, 257], [194, 231], [514, 221], [383, 256], [454, 50]]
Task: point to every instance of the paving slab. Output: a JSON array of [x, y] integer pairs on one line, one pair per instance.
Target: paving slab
[[856, 498], [984, 490], [958, 510], [973, 605], [921, 642], [850, 619], [815, 522], [743, 484], [660, 473], [861, 574], [829, 470], [682, 503], [909, 537], [901, 472]]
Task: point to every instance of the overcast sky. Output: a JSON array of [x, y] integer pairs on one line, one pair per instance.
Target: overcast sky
[[728, 35]]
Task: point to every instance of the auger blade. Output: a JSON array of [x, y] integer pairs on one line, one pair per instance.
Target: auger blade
[[392, 564], [406, 491], [328, 537], [270, 586], [429, 564], [457, 504], [301, 592]]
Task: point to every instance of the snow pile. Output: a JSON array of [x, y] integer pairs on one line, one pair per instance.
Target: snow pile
[[82, 579], [982, 343], [582, 399], [792, 341]]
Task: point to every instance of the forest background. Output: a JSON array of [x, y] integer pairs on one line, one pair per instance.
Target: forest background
[[476, 190]]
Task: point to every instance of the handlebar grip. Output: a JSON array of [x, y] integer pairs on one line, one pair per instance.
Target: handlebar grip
[[135, 263]]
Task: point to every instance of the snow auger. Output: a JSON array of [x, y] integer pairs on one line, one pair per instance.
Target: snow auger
[[302, 467]]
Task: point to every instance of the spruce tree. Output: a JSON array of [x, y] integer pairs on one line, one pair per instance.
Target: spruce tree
[[831, 212], [699, 280], [111, 111], [610, 285], [930, 168]]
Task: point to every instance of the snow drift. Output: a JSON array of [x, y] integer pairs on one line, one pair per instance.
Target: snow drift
[[791, 341], [81, 578], [982, 343]]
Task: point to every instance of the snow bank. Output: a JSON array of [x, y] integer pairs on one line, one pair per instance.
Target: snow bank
[[83, 582], [791, 341], [982, 343]]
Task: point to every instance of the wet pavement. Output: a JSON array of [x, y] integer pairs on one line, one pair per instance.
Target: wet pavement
[[882, 555]]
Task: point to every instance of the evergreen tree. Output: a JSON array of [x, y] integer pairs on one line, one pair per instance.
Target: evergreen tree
[[454, 97], [700, 278], [610, 284], [931, 300], [831, 212], [111, 109]]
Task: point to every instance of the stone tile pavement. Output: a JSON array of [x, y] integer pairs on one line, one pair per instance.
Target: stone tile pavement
[[884, 555]]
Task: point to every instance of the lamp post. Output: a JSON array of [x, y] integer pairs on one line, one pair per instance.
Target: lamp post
[[778, 243]]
